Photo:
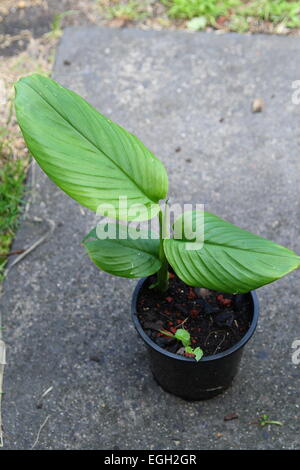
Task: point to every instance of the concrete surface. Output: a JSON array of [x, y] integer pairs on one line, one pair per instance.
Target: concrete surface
[[172, 89]]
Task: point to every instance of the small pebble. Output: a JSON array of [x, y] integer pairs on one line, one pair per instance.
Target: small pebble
[[257, 105], [95, 358]]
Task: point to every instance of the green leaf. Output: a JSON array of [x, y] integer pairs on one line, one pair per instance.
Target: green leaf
[[264, 421], [183, 336], [88, 156], [231, 259], [198, 353], [124, 256]]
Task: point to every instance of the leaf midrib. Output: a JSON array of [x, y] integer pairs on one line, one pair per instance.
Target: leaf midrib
[[240, 249], [121, 242]]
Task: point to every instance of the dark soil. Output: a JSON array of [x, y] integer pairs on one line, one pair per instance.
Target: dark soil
[[215, 321]]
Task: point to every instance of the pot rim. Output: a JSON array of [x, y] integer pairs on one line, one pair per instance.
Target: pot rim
[[213, 357]]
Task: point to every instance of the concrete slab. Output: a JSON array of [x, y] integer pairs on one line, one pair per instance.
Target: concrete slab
[[172, 89]]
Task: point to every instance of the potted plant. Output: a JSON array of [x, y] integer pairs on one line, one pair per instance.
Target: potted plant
[[195, 306]]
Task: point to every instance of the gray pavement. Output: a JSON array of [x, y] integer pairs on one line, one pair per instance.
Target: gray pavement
[[63, 317]]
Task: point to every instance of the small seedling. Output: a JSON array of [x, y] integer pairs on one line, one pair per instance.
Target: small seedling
[[56, 25], [184, 336], [264, 421]]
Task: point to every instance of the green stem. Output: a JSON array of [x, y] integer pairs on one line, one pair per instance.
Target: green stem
[[163, 273]]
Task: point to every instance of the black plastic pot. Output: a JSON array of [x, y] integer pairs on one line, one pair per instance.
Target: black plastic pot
[[184, 376]]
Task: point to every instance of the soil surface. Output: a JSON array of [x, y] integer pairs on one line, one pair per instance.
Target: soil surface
[[215, 321]]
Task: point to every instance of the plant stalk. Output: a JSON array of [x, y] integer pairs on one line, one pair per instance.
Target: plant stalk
[[163, 273]]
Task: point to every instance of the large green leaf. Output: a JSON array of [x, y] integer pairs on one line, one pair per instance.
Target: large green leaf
[[88, 156], [124, 255], [230, 260]]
